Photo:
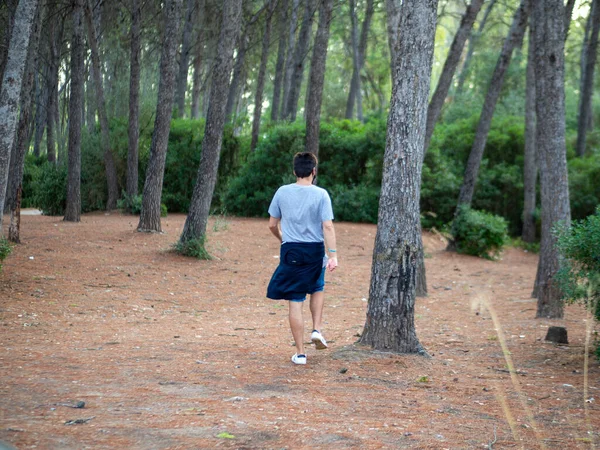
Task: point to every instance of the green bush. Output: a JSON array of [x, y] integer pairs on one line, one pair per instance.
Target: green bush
[[479, 233], [584, 188], [355, 204], [133, 205], [5, 249], [49, 189]]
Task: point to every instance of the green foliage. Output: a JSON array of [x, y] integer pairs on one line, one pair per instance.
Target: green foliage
[[584, 188], [49, 188], [355, 204], [133, 205], [479, 233], [5, 249], [194, 248]]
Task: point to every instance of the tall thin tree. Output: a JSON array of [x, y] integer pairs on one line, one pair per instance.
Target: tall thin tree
[[195, 224], [529, 163], [260, 81], [289, 61], [184, 59], [355, 95], [198, 58], [133, 130], [317, 77], [390, 312], [10, 91], [548, 29], [73, 207], [150, 213], [110, 168], [280, 64]]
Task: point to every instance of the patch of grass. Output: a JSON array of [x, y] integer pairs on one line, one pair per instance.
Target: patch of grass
[[221, 222], [5, 249], [225, 435], [532, 247], [194, 247]]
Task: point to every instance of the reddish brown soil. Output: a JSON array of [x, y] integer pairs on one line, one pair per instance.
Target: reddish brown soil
[[169, 352]]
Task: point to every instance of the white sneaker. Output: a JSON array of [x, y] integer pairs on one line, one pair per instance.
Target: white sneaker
[[299, 359], [318, 340]]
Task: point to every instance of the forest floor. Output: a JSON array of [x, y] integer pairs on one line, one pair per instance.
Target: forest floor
[[169, 352]]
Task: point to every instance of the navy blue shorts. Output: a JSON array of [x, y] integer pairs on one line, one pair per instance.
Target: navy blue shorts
[[318, 287]]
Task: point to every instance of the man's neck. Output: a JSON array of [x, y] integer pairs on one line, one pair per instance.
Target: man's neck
[[305, 181]]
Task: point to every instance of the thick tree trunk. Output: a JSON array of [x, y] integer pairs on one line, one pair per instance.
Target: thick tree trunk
[[548, 20], [198, 59], [390, 312], [17, 160], [184, 60], [452, 60], [317, 77], [73, 209], [475, 35], [585, 101], [195, 224], [133, 130], [10, 92], [530, 163], [354, 95], [11, 6], [280, 65], [260, 82], [150, 213], [513, 40], [300, 52], [393, 21], [289, 63], [109, 160]]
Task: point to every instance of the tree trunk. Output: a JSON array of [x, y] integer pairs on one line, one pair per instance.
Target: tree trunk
[[513, 40], [300, 52], [530, 164], [92, 101], [198, 59], [73, 209], [475, 35], [11, 6], [195, 224], [452, 60], [390, 311], [280, 65], [17, 160], [289, 63], [585, 101], [184, 60], [55, 36], [10, 92], [109, 160], [260, 82], [354, 95], [568, 16], [317, 77], [150, 213], [548, 20], [237, 77], [133, 130], [393, 21]]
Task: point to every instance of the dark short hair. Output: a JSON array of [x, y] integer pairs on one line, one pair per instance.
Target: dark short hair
[[304, 163]]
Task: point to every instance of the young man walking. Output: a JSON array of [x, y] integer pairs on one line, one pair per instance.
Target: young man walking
[[302, 220]]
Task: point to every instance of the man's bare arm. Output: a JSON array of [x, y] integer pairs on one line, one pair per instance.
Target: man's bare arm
[[329, 233], [274, 227]]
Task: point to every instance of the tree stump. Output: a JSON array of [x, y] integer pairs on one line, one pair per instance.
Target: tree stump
[[557, 335]]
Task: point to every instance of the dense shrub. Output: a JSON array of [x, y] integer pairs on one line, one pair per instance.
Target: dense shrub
[[5, 249], [49, 189], [479, 233], [355, 204], [584, 187]]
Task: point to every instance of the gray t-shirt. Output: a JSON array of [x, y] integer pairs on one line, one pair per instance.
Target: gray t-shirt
[[302, 210]]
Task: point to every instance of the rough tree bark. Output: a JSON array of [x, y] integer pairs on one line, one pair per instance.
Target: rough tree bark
[[393, 21], [133, 131], [530, 164], [390, 311], [109, 160], [40, 109], [17, 160], [279, 66], [11, 6], [10, 92], [354, 95], [512, 41], [73, 208], [260, 81], [150, 213], [587, 84], [464, 71], [195, 224], [198, 59], [317, 77], [548, 25], [184, 60], [452, 60], [300, 52], [289, 63], [55, 36]]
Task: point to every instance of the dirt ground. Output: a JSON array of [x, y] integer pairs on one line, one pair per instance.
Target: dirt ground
[[169, 352]]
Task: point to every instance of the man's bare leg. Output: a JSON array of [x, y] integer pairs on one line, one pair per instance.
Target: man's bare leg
[[316, 309], [297, 325]]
